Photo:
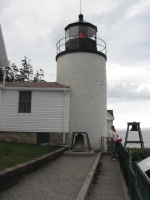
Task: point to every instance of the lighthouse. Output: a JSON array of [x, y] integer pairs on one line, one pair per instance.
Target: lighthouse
[[81, 65]]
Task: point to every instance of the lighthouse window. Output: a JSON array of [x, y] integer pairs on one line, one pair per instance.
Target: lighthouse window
[[91, 33], [74, 31], [83, 31], [67, 33], [80, 31], [86, 31]]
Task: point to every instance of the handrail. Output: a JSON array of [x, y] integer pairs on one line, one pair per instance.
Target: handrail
[[100, 44]]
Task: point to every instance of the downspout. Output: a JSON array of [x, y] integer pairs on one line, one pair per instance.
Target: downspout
[[64, 124]]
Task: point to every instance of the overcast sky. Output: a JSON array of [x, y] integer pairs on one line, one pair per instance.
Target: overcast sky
[[32, 28]]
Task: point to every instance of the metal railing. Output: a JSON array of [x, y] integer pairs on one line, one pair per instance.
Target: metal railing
[[104, 144], [61, 44], [137, 182]]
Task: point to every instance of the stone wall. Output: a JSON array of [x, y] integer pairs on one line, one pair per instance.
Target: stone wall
[[57, 138], [23, 137], [31, 138]]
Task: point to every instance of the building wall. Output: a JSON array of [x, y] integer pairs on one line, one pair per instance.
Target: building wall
[[85, 73], [49, 112]]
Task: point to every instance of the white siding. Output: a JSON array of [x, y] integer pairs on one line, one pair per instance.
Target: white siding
[[47, 112], [85, 73]]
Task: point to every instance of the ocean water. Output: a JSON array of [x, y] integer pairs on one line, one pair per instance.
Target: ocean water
[[134, 135]]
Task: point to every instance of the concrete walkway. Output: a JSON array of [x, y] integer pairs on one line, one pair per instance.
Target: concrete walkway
[[63, 179], [111, 185]]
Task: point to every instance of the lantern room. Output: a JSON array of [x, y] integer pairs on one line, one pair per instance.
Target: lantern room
[[80, 35]]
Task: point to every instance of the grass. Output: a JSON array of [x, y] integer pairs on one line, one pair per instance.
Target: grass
[[12, 153]]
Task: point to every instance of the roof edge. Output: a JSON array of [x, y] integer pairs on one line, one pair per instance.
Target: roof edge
[[35, 86], [110, 114]]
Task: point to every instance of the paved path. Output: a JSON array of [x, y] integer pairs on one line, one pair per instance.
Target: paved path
[[62, 179], [110, 183]]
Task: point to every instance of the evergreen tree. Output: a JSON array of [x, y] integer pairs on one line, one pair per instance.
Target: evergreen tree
[[1, 74], [16, 72], [36, 77], [9, 77], [39, 76], [13, 74], [26, 71]]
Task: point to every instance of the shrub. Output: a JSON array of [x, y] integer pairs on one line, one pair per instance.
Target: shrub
[[139, 154]]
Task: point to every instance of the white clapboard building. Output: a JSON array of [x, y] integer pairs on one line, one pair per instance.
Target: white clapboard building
[[48, 112]]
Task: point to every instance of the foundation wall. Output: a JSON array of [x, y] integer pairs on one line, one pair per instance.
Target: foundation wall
[[31, 138]]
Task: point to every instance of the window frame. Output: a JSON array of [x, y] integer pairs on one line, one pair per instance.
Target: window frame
[[25, 99]]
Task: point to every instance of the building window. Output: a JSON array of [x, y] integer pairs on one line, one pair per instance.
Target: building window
[[24, 102]]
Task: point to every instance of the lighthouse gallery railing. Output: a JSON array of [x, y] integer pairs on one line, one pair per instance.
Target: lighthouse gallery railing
[[61, 44]]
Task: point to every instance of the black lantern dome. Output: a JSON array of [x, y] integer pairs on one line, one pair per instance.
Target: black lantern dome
[[80, 36]]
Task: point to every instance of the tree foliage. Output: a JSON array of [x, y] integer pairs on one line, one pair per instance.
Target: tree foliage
[[25, 73], [39, 76], [139, 154]]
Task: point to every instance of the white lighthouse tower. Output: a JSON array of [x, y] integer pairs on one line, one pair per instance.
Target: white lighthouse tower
[[81, 64]]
